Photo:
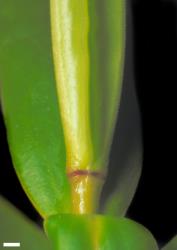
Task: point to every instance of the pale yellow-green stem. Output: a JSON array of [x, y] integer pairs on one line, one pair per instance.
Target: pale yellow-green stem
[[88, 52], [85, 192], [71, 60]]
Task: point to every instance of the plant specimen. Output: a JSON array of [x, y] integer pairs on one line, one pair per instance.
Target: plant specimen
[[61, 71]]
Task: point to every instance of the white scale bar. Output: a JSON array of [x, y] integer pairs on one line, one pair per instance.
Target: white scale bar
[[11, 244]]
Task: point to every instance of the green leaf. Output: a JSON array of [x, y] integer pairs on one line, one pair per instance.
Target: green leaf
[[15, 227], [126, 159], [98, 232], [30, 101], [126, 155], [30, 105], [172, 245]]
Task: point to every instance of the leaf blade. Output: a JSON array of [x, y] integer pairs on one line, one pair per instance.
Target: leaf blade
[[109, 233], [171, 245], [15, 227], [30, 105], [126, 155]]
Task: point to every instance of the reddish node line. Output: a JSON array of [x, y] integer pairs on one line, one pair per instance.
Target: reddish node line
[[95, 174]]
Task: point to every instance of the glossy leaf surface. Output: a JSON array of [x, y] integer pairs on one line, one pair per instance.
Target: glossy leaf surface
[[126, 155], [15, 227], [30, 99], [78, 232], [29, 104]]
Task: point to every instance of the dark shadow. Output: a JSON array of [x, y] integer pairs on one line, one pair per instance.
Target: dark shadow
[[155, 60]]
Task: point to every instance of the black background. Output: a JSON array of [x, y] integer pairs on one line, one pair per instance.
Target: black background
[[155, 70]]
